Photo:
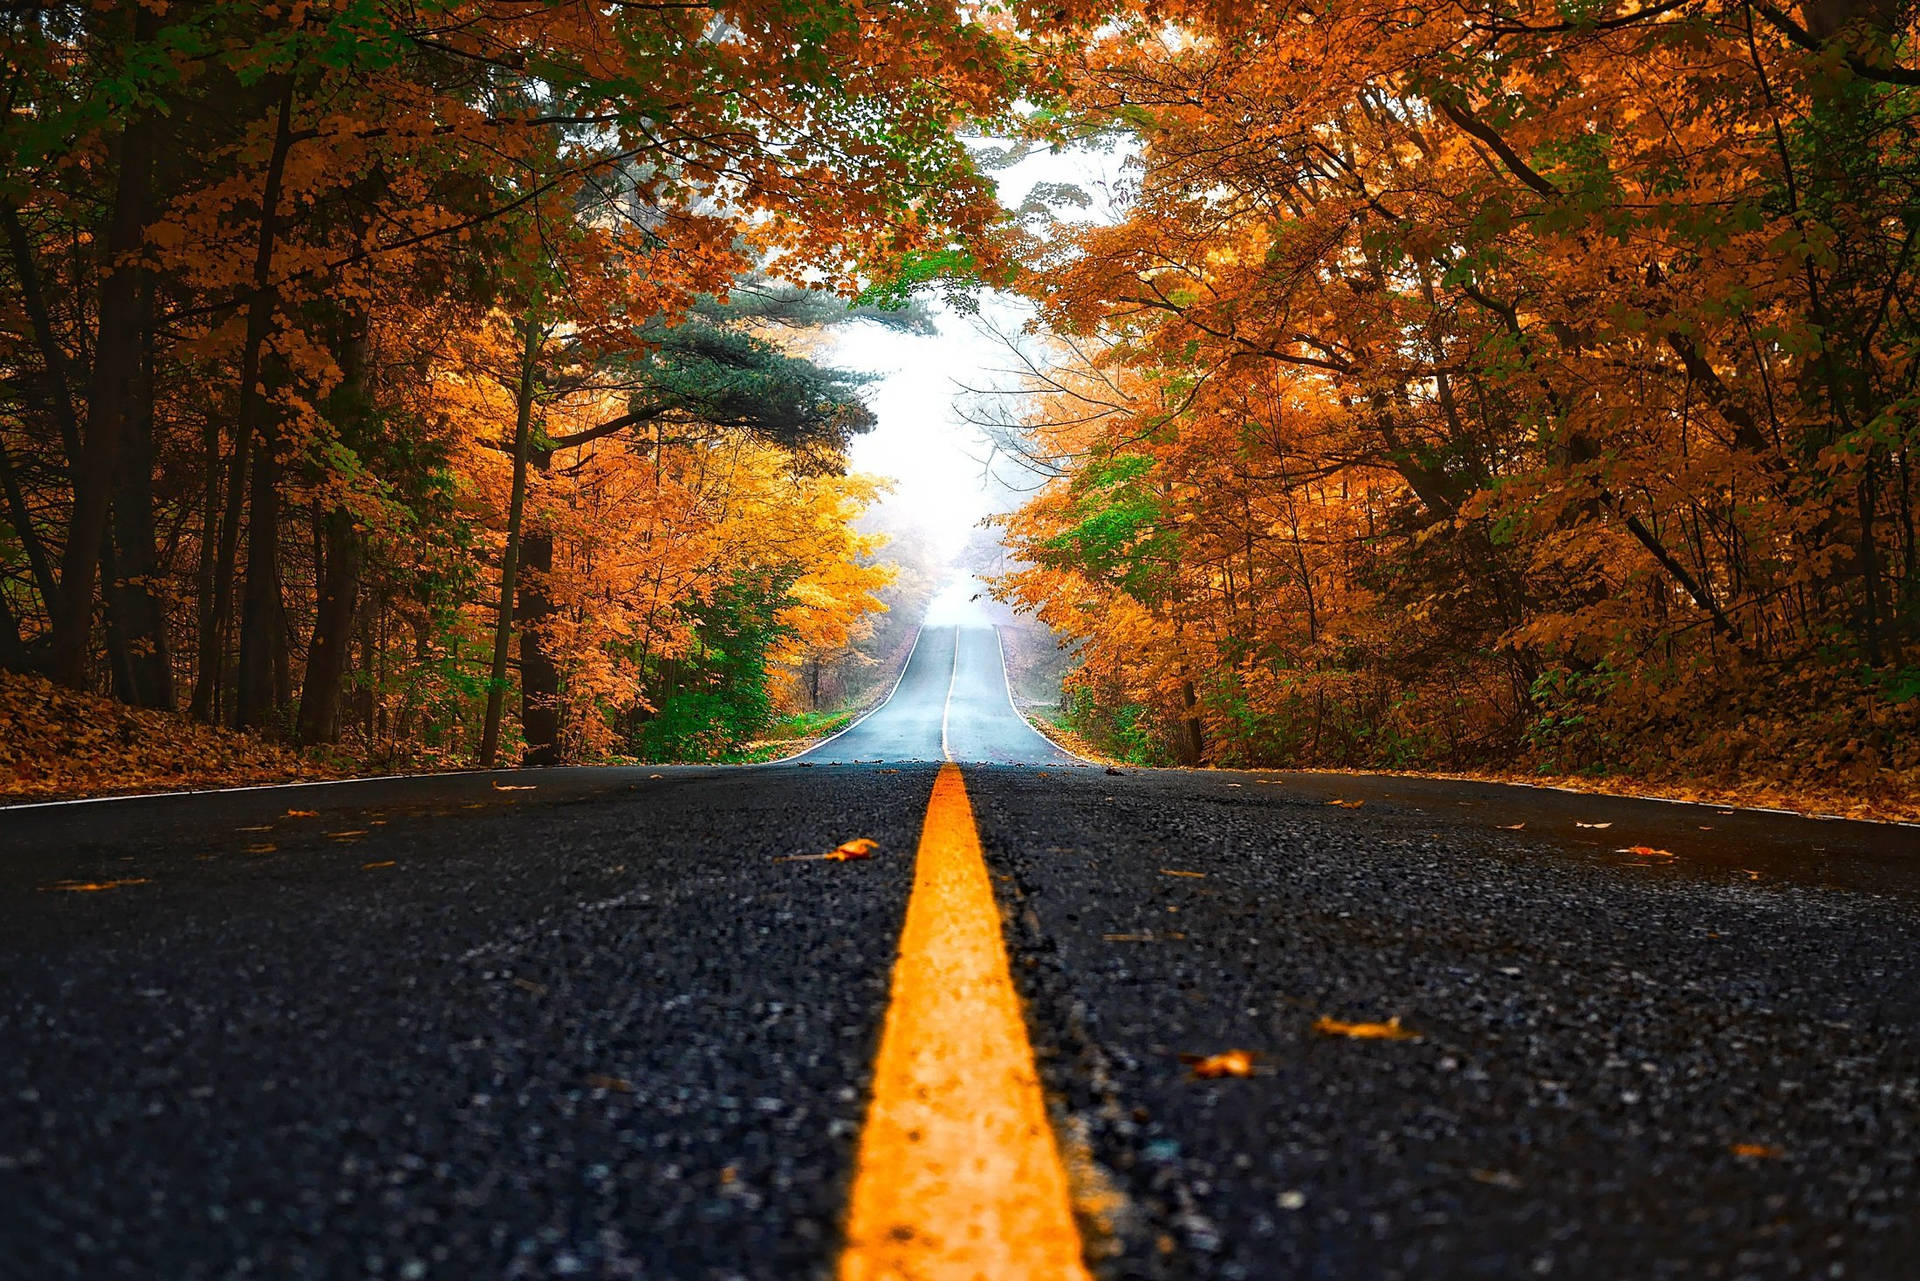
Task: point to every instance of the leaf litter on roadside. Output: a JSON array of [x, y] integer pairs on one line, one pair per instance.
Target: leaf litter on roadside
[[1208, 1067], [90, 887], [1645, 851], [860, 847], [1388, 1031]]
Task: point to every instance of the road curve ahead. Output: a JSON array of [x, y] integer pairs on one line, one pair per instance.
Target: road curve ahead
[[629, 1023], [952, 703]]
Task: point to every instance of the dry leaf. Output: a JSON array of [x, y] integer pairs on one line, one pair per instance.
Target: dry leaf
[[1142, 938], [302, 814], [88, 887], [265, 847], [1174, 871], [1346, 805], [514, 787], [1388, 1031], [857, 848], [1761, 1151], [1512, 827], [1602, 826], [369, 866], [528, 985], [1227, 1063], [619, 1085], [347, 836], [1645, 851]]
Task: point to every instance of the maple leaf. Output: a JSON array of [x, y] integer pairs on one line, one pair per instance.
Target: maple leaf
[[1225, 1063], [1388, 1031]]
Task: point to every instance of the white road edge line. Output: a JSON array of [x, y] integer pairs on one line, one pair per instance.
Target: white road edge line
[[1006, 678], [855, 723], [251, 787]]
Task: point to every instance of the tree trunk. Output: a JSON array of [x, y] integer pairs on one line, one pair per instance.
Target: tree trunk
[[261, 622], [332, 629], [111, 391], [539, 674], [135, 611], [510, 557], [342, 548], [261, 614]]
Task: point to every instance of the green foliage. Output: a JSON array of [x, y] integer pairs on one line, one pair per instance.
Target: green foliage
[[715, 700]]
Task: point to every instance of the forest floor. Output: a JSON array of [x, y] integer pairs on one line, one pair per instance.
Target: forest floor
[[1892, 800], [56, 743]]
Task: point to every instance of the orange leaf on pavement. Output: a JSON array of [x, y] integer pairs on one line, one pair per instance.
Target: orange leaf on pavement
[[857, 848], [1227, 1063], [1388, 1031]]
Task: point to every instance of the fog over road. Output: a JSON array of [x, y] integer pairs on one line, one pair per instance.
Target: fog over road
[[952, 703], [618, 1023]]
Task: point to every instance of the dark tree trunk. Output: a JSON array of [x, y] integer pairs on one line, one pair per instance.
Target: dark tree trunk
[[112, 390], [332, 629], [342, 548], [262, 622], [510, 557], [137, 617], [539, 674]]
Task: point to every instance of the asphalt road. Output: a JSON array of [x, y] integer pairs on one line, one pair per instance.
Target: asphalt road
[[603, 1025]]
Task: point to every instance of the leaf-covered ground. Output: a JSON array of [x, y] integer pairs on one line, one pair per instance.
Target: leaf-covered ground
[[55, 742]]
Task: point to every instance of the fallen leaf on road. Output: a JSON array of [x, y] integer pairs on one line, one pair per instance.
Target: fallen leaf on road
[[858, 847], [88, 887], [265, 847], [262, 827], [1495, 1178], [1229, 1063], [1751, 874], [1346, 805], [619, 1085], [1603, 826], [302, 814], [528, 985], [1762, 1151], [1174, 871], [369, 866], [1171, 935], [347, 836], [1512, 827], [1645, 851], [1388, 1031], [514, 787], [889, 771]]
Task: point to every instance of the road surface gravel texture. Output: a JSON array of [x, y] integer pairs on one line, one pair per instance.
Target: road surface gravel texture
[[602, 1023]]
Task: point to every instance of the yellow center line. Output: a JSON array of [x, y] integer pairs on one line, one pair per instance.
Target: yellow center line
[[959, 1176]]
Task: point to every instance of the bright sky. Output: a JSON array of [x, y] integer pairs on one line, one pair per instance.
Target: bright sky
[[935, 459]]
